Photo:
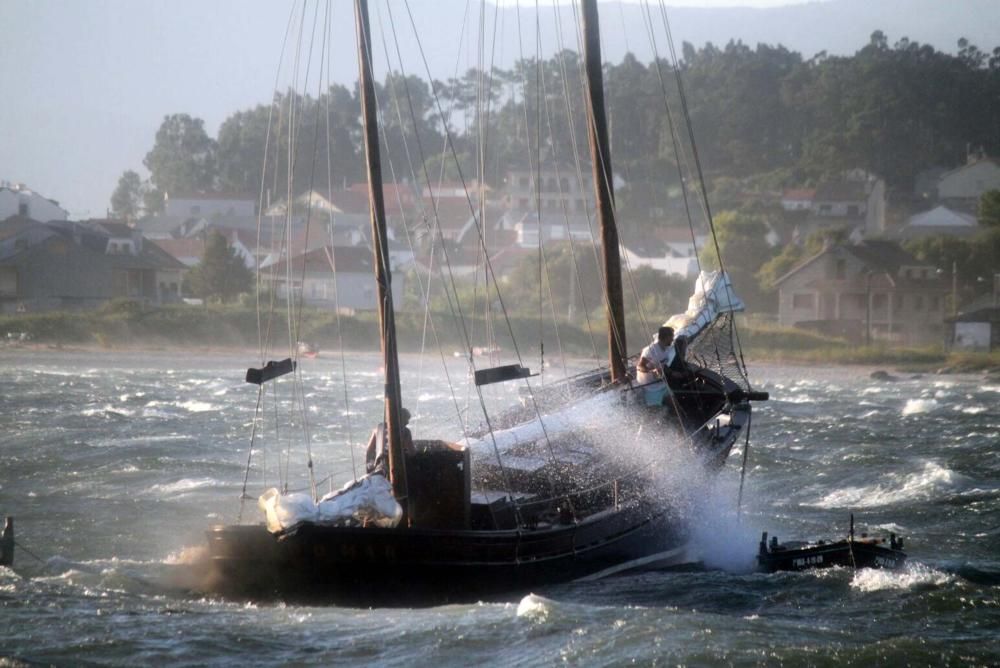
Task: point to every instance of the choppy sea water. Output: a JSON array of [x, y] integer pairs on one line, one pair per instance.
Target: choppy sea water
[[113, 466]]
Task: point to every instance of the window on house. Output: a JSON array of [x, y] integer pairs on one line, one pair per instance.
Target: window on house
[[918, 302], [825, 209], [22, 209], [803, 301], [852, 210], [879, 302]]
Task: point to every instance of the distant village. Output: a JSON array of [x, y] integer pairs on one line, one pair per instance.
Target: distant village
[[865, 288]]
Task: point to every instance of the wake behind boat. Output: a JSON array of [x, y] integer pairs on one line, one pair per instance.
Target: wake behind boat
[[539, 494]]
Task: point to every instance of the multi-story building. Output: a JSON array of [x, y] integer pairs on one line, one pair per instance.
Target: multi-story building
[[869, 291]]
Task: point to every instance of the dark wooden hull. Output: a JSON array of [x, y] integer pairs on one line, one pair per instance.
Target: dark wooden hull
[[412, 567], [845, 553], [619, 528]]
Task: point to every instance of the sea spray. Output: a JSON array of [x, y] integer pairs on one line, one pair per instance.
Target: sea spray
[[702, 500]]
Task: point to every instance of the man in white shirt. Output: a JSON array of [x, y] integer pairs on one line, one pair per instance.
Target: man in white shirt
[[657, 355]]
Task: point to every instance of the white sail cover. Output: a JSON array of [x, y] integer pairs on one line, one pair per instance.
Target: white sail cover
[[368, 501], [713, 296], [587, 415]]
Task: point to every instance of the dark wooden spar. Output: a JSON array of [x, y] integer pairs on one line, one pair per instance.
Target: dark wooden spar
[[600, 154], [383, 272]]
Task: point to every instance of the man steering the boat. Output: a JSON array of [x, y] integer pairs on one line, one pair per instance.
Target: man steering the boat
[[375, 455], [656, 356]]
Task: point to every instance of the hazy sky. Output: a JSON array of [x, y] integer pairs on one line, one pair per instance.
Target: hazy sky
[[86, 83]]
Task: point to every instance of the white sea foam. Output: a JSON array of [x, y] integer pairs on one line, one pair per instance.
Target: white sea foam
[[534, 607], [107, 411], [990, 388], [918, 406], [800, 399], [183, 486], [914, 575], [973, 410], [198, 406], [928, 483]]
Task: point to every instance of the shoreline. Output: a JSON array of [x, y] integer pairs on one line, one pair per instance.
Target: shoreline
[[986, 364]]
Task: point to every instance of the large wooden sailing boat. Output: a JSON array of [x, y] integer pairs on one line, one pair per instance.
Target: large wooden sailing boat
[[469, 525]]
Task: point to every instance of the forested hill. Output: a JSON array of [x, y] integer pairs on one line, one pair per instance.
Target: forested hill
[[838, 27], [895, 108]]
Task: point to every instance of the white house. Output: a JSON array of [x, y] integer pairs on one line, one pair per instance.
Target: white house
[[977, 330], [671, 251], [206, 205], [552, 229], [797, 199], [340, 276], [16, 199], [962, 187], [557, 190], [939, 221]]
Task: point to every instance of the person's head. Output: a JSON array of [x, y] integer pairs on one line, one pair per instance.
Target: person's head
[[665, 335], [404, 416]]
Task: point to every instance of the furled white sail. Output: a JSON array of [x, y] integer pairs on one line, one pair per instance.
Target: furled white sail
[[713, 296], [368, 501]]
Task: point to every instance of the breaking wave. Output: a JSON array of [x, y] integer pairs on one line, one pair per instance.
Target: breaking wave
[[534, 607], [184, 486], [932, 481], [917, 406], [913, 576]]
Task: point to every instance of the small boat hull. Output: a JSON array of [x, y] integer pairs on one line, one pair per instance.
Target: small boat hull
[[844, 553]]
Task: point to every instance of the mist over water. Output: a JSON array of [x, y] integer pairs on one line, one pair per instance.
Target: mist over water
[[114, 465]]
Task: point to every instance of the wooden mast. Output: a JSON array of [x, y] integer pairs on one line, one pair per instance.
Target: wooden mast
[[380, 247], [600, 155]]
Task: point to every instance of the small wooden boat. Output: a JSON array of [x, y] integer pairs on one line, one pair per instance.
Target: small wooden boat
[[863, 552]]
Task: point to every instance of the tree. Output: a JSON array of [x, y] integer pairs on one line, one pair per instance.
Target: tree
[[989, 209], [182, 158], [743, 243], [221, 273], [127, 199]]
